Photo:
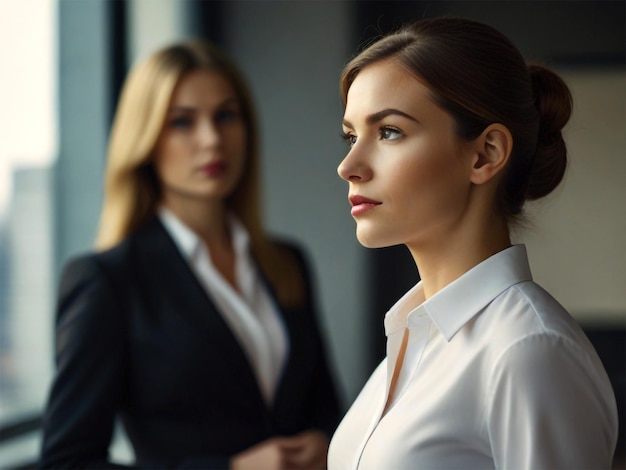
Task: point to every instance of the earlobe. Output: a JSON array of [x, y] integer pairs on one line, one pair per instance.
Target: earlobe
[[493, 149]]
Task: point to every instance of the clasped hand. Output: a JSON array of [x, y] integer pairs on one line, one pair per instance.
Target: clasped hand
[[305, 451]]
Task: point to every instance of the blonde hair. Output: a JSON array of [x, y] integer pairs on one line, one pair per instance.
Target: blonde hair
[[132, 190]]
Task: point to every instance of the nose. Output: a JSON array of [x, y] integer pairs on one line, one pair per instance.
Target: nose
[[208, 134], [354, 169]]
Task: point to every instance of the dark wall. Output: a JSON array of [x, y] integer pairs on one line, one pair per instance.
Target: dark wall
[[560, 32]]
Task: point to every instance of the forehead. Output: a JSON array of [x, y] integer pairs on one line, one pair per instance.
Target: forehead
[[384, 85], [203, 87]]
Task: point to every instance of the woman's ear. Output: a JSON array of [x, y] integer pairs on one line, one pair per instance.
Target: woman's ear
[[492, 150]]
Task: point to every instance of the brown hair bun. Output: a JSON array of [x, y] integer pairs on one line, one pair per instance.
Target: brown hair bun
[[554, 103]]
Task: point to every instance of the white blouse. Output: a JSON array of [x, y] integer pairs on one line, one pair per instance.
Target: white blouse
[[496, 374], [252, 315]]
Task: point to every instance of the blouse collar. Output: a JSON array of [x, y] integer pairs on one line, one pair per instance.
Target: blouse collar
[[457, 303]]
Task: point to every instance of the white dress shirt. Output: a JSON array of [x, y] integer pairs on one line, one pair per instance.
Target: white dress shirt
[[250, 313], [496, 374]]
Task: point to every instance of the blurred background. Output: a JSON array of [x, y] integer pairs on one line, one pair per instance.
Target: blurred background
[[62, 63]]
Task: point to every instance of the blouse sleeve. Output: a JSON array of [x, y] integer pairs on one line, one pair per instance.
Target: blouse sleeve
[[550, 407], [88, 386]]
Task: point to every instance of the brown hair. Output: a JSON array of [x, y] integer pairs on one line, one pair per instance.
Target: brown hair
[[478, 75], [132, 189]]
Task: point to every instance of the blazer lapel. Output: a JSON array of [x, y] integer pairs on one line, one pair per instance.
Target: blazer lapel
[[168, 273]]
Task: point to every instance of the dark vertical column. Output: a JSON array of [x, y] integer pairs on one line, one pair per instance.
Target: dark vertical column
[[390, 273], [205, 19], [118, 51]]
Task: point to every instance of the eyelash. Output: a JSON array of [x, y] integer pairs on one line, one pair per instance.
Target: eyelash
[[351, 138], [348, 138]]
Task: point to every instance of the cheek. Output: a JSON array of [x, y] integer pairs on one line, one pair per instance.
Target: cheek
[[168, 160], [238, 148], [238, 172], [429, 180], [413, 175], [237, 138]]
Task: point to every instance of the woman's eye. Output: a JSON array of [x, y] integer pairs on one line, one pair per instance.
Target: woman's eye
[[181, 122], [226, 115], [389, 133], [350, 138]]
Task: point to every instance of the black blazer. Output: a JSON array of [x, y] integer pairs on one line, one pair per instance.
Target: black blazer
[[138, 337]]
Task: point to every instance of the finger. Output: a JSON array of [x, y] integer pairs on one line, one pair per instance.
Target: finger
[[305, 456], [293, 441]]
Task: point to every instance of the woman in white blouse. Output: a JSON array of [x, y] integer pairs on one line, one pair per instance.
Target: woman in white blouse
[[450, 132], [189, 323]]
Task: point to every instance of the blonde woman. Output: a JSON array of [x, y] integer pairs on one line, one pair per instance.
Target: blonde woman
[[189, 323]]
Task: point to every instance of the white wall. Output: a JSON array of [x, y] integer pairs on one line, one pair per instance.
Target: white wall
[[577, 241]]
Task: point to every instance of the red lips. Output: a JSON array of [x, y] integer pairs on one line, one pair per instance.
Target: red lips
[[356, 200], [361, 205], [214, 168]]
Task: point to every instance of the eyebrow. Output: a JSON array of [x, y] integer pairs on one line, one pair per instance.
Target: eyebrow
[[380, 115]]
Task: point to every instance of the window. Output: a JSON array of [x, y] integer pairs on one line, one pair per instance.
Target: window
[[27, 151]]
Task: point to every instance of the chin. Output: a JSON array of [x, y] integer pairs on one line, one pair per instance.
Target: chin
[[369, 240]]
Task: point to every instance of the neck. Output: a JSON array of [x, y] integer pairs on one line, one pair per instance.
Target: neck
[[208, 219], [447, 258]]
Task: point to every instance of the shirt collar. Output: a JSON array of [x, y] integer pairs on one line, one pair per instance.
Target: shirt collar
[[190, 244], [457, 303]]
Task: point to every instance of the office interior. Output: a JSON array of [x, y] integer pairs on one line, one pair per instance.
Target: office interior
[[292, 53]]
